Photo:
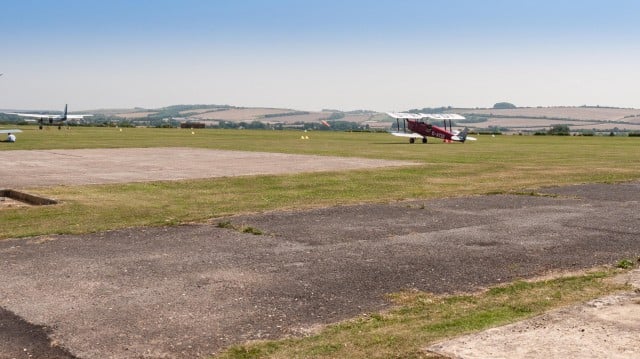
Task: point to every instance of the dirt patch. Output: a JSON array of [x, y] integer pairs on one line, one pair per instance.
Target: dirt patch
[[193, 290], [579, 113], [134, 114], [8, 203], [603, 328], [28, 169], [240, 114]]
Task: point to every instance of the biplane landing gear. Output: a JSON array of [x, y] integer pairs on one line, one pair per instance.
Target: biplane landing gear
[[412, 140], [424, 140]]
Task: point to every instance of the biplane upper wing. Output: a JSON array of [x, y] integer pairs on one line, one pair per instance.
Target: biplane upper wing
[[431, 116], [442, 116], [401, 115]]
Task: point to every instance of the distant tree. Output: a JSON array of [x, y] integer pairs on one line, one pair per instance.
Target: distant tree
[[335, 116], [430, 109], [497, 129], [125, 123], [256, 125], [559, 130], [503, 105]]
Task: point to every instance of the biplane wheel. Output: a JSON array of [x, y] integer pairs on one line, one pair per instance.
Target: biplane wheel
[[412, 140], [424, 140]]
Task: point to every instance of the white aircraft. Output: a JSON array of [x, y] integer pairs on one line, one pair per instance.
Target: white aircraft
[[51, 119]]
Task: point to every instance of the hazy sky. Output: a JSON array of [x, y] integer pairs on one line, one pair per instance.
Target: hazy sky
[[308, 54]]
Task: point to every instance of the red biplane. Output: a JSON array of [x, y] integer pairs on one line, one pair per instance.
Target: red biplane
[[414, 126]]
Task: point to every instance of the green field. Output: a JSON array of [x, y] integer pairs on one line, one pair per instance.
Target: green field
[[501, 164]]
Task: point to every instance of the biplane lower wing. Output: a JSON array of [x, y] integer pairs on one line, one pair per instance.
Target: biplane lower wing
[[406, 134], [467, 138]]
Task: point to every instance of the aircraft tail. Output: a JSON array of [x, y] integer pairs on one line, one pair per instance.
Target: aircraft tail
[[64, 116]]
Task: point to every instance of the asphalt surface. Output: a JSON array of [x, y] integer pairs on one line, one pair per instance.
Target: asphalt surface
[[193, 290]]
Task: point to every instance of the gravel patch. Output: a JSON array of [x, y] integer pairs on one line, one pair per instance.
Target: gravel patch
[[37, 168]]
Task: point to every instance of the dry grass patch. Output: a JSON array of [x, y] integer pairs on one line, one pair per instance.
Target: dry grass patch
[[240, 114], [419, 319]]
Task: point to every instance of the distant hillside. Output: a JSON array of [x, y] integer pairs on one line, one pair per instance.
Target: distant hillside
[[582, 118], [217, 115], [210, 112], [518, 119]]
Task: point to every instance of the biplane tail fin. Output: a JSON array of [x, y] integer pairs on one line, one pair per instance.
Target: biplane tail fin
[[462, 136]]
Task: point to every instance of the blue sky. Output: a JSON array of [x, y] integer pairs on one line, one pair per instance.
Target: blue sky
[[379, 55]]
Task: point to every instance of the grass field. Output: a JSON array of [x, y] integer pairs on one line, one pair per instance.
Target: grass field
[[504, 164], [501, 164]]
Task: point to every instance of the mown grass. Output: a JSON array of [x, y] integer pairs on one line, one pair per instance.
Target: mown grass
[[420, 319], [502, 164]]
